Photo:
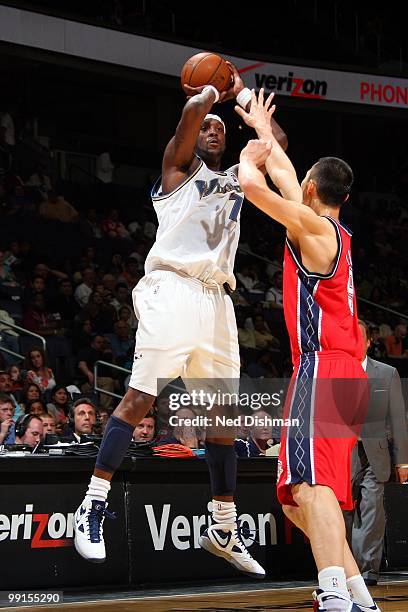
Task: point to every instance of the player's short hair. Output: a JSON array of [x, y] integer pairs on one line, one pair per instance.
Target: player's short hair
[[334, 179]]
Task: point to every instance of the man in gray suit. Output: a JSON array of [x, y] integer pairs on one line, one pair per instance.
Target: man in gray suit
[[371, 463]]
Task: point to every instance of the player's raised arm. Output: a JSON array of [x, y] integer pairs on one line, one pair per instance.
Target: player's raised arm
[[278, 165], [179, 156], [244, 98], [296, 217]]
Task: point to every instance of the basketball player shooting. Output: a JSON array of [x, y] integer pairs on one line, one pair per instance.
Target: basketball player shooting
[[186, 318], [328, 380]]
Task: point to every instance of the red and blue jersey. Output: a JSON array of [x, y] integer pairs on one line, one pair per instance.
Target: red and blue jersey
[[320, 309]]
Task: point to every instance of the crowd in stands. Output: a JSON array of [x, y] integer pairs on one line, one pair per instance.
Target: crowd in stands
[[67, 274]]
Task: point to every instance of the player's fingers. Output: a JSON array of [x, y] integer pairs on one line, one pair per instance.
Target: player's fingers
[[232, 67], [271, 110], [241, 112], [253, 98], [192, 91], [269, 100], [261, 97]]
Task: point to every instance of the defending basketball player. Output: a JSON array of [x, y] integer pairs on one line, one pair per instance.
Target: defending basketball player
[[328, 390], [187, 325]]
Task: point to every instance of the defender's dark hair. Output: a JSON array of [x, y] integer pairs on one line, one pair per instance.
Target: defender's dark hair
[[334, 179]]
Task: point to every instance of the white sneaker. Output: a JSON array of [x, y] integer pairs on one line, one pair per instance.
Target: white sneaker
[[331, 601], [222, 541], [373, 608], [88, 524]]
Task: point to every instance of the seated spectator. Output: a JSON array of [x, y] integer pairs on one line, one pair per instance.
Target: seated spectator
[[121, 341], [40, 181], [116, 264], [82, 418], [162, 411], [84, 290], [113, 227], [15, 376], [51, 277], [30, 392], [101, 314], [65, 304], [183, 432], [91, 226], [8, 337], [82, 334], [38, 319], [37, 370], [127, 316], [20, 201], [140, 253], [6, 268], [6, 387], [89, 258], [264, 366], [246, 276], [104, 415], [87, 358], [377, 348], [263, 336], [145, 431], [246, 337], [260, 431], [7, 431], [121, 297], [36, 285], [274, 295], [59, 405], [394, 344], [56, 208], [29, 430], [109, 286], [36, 407], [49, 426], [130, 275]]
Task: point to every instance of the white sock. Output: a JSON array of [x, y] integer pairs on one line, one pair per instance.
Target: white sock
[[358, 591], [224, 512], [98, 489], [333, 578]]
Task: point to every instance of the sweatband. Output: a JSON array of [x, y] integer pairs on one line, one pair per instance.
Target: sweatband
[[215, 118], [214, 90], [244, 97]]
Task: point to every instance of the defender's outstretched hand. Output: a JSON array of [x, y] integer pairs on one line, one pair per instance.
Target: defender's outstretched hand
[[256, 152], [259, 114]]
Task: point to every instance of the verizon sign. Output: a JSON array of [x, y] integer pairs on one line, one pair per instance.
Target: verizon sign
[[102, 44], [316, 83]]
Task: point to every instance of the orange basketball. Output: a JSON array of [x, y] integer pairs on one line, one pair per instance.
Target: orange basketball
[[206, 69]]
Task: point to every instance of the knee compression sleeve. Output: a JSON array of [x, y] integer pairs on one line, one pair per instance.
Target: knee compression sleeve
[[115, 442], [222, 464]]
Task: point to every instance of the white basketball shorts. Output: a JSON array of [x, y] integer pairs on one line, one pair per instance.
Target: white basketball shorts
[[185, 329]]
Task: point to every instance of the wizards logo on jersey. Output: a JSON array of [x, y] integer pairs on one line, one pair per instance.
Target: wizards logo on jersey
[[214, 186]]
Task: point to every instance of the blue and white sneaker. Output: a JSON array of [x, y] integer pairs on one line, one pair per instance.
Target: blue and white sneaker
[[222, 541], [373, 608], [88, 528], [331, 601]]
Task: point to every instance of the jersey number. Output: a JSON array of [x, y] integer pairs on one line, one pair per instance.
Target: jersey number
[[238, 199]]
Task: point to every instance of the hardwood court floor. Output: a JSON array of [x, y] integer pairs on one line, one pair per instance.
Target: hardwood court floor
[[391, 597]]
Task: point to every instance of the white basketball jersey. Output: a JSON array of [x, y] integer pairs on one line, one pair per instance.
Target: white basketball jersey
[[198, 229]]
